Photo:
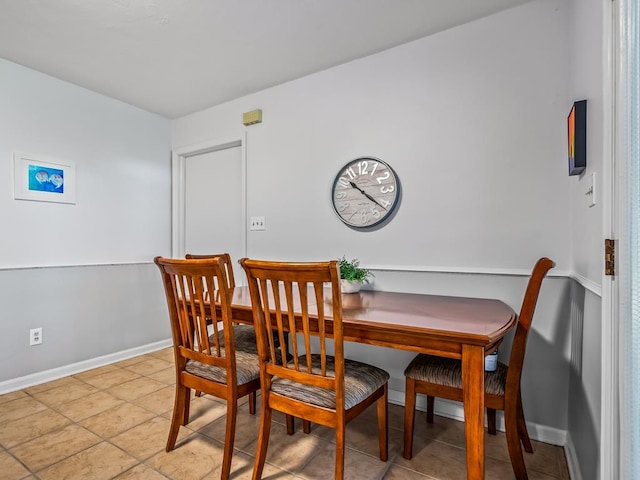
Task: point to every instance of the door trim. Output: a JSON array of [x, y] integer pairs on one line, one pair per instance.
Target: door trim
[[179, 158], [612, 228]]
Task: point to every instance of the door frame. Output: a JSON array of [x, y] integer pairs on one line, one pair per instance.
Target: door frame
[[179, 157], [610, 465]]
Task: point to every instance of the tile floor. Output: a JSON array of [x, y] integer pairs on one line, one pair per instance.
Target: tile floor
[[112, 423]]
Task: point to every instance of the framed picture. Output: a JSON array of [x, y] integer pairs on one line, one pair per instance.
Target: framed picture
[[577, 137], [43, 179]]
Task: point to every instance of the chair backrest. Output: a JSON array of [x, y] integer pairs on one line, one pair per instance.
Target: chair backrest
[[519, 346], [189, 287], [226, 262], [292, 297]]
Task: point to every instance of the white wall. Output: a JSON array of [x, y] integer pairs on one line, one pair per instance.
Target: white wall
[[588, 74], [122, 158], [122, 216], [473, 121]]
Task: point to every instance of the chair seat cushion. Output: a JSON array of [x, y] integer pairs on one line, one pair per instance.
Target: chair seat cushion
[[448, 372], [247, 369], [244, 338], [360, 381]]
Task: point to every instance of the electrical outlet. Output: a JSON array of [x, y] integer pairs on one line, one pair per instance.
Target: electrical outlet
[[257, 223], [35, 336]]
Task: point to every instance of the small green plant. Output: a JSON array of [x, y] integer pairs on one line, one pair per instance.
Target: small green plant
[[350, 270]]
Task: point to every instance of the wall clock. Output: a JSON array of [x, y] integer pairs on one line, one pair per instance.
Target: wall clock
[[365, 192]]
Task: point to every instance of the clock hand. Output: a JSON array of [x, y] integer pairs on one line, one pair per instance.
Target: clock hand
[[366, 194]]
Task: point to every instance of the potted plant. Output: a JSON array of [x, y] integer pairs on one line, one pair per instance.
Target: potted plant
[[352, 276]]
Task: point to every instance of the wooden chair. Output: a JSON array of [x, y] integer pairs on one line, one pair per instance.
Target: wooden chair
[[244, 335], [226, 262], [442, 377], [324, 389], [202, 362]]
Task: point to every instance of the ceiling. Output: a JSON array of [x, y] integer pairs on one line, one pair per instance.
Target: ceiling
[[175, 57]]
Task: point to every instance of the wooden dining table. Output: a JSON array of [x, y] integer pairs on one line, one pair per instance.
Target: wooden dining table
[[448, 326]]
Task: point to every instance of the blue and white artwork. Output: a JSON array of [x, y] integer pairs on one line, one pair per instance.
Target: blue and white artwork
[[46, 179]]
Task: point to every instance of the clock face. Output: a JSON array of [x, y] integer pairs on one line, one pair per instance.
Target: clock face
[[365, 192]]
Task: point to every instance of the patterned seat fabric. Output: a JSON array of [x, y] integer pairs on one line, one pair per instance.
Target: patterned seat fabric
[[448, 372], [360, 381], [245, 340], [247, 369], [244, 336]]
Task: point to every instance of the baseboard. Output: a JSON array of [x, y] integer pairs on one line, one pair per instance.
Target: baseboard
[[66, 370], [454, 410]]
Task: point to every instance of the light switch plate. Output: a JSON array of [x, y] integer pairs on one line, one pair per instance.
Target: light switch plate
[[591, 191]]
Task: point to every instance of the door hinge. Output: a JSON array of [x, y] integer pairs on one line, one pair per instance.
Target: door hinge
[[609, 256]]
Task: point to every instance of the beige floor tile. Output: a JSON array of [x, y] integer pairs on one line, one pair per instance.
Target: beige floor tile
[[19, 408], [436, 459], [110, 378], [242, 469], [136, 388], [495, 446], [399, 473], [167, 376], [290, 452], [148, 438], [545, 458], [149, 365], [140, 472], [88, 406], [52, 447], [43, 439], [158, 402], [17, 431], [497, 469], [57, 396], [8, 397], [203, 410], [562, 465], [130, 361], [193, 458], [165, 354], [100, 462], [362, 435], [117, 420], [247, 427], [64, 381], [356, 465], [395, 416], [443, 429], [95, 372], [11, 468]]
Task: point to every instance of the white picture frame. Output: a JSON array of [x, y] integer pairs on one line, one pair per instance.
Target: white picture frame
[[43, 179]]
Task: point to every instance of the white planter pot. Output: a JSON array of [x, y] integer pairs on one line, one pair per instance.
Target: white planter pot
[[350, 286]]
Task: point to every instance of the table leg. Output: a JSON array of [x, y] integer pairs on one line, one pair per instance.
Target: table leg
[[473, 392]]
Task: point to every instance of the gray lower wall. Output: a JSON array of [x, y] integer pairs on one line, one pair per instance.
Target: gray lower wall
[[85, 312], [585, 379]]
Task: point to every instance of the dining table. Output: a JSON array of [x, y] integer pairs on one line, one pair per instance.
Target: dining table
[[464, 328]]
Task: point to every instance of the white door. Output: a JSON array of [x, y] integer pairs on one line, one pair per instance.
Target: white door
[[214, 216]]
